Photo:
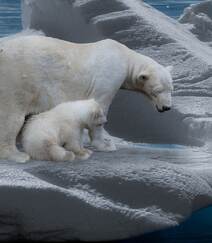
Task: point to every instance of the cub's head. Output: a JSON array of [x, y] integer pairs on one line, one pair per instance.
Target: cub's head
[[156, 83], [97, 116]]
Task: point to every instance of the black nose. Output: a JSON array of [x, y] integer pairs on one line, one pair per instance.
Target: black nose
[[166, 108]]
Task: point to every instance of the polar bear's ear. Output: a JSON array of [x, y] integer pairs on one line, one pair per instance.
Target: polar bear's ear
[[169, 68]]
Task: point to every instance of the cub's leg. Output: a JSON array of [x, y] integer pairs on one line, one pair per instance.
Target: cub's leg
[[80, 153], [75, 144], [100, 139], [11, 123], [57, 153]]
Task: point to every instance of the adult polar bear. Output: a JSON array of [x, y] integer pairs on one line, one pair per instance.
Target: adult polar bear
[[38, 73]]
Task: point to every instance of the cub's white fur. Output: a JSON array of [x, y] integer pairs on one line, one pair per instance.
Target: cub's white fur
[[38, 73], [57, 134]]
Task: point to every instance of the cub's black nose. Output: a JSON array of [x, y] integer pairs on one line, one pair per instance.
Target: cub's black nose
[[166, 108]]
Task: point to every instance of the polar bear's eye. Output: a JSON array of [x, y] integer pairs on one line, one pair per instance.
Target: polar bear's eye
[[143, 77]]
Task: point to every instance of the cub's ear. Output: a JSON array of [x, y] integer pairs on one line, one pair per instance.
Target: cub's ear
[[94, 114], [169, 68]]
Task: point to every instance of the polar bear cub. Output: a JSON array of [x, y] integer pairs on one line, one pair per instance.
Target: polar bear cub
[[57, 134]]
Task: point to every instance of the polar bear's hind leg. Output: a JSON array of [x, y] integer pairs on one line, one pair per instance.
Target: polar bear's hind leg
[[10, 126]]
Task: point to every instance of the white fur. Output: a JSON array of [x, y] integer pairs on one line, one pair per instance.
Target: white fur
[[38, 73], [57, 134]]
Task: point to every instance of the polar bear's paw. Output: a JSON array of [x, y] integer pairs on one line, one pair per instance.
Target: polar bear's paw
[[19, 157], [107, 145]]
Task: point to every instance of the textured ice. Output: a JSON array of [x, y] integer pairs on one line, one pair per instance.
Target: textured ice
[[116, 195], [198, 18], [142, 187]]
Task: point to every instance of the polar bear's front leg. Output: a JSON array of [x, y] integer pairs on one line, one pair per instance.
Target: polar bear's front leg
[[100, 140]]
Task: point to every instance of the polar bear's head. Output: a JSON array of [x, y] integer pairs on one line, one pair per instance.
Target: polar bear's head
[[97, 116], [156, 83]]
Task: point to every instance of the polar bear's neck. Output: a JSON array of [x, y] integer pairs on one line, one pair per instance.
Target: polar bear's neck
[[136, 64]]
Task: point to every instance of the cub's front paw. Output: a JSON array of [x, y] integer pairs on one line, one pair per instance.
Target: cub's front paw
[[83, 154], [70, 156], [88, 151]]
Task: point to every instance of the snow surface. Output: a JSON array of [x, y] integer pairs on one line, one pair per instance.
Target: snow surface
[[142, 187], [111, 196]]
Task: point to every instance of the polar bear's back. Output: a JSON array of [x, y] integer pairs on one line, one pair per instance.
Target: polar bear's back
[[45, 71], [34, 44]]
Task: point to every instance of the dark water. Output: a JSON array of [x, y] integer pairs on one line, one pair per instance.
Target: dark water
[[197, 229]]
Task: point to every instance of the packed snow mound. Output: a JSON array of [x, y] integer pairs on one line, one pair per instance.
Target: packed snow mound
[[198, 18], [111, 196]]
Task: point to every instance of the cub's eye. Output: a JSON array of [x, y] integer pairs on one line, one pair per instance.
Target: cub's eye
[[97, 115], [154, 95]]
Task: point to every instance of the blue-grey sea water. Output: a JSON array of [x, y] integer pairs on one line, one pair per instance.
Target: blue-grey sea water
[[197, 229], [173, 8], [10, 12], [10, 17]]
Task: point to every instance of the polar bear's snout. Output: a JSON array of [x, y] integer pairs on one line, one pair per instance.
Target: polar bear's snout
[[164, 108], [163, 101]]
